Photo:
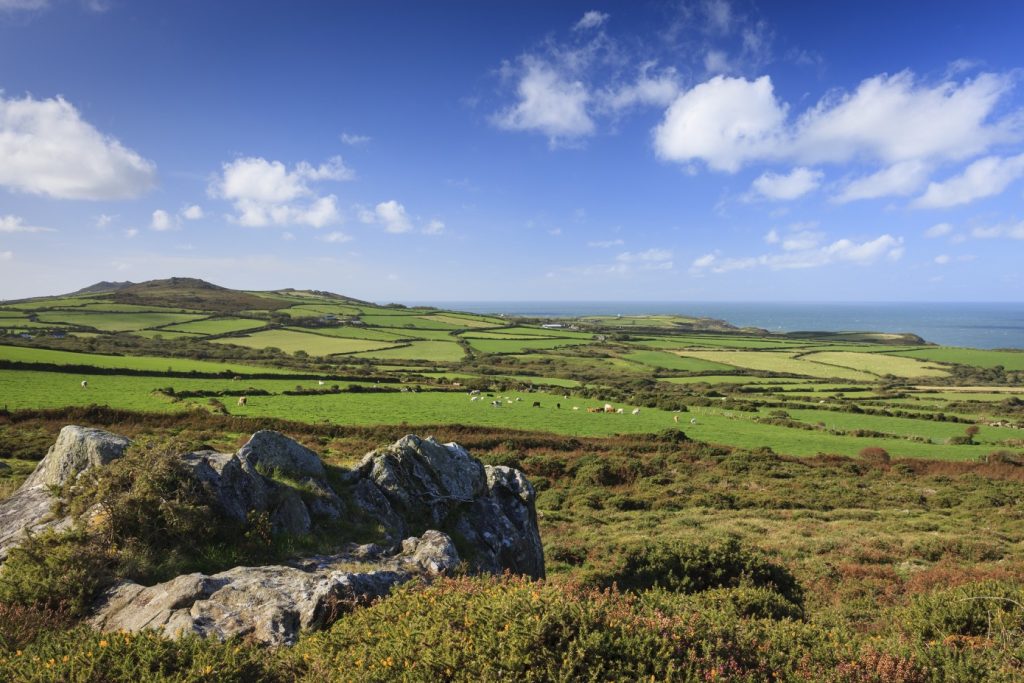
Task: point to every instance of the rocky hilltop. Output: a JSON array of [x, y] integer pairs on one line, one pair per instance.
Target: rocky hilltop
[[419, 493]]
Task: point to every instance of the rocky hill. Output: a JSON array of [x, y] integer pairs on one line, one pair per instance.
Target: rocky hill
[[419, 493]]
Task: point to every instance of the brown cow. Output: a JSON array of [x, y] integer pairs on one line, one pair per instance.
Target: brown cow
[[595, 410]]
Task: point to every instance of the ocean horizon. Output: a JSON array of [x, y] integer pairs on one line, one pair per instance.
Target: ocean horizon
[[982, 325]]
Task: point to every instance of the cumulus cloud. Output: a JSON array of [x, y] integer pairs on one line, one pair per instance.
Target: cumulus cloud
[[591, 19], [725, 122], [192, 213], [793, 185], [11, 223], [938, 230], [901, 179], [434, 227], [649, 89], [268, 193], [389, 214], [983, 178], [46, 148], [808, 255], [161, 221], [651, 259], [549, 102], [729, 122]]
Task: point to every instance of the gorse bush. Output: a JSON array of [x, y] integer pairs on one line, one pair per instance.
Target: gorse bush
[[694, 567]]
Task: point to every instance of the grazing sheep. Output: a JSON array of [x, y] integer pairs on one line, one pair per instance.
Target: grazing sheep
[[693, 420], [675, 418], [575, 407], [620, 411], [243, 400], [320, 382], [84, 384], [496, 404], [518, 398], [636, 411], [474, 398], [609, 408]]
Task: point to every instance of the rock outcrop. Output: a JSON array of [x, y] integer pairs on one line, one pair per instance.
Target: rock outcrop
[[419, 490], [76, 450], [272, 604]]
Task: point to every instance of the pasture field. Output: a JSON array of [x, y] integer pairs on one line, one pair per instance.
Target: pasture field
[[25, 354], [113, 307], [316, 311], [713, 342], [31, 389], [375, 334], [1010, 360], [465, 320], [670, 361], [436, 351], [117, 322], [563, 333], [639, 320], [314, 344], [408, 321], [778, 361], [417, 333], [724, 379], [13, 314], [519, 346], [217, 326], [877, 363]]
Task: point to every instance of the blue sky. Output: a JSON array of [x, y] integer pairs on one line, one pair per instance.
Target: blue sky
[[711, 150]]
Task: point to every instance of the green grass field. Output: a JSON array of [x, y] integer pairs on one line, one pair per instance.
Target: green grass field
[[1010, 360], [438, 351], [290, 341], [519, 346], [148, 363], [670, 361], [878, 363], [778, 361], [217, 326], [117, 322], [348, 332], [713, 342]]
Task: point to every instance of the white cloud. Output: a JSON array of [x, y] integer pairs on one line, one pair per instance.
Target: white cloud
[[161, 221], [354, 140], [900, 179], [647, 256], [938, 230], [802, 240], [983, 178], [6, 255], [942, 259], [14, 5], [719, 15], [796, 184], [47, 149], [590, 19], [895, 118], [772, 236], [10, 223], [103, 220], [549, 103], [726, 122], [390, 214], [808, 255], [648, 90], [434, 227], [192, 213], [267, 193], [605, 244], [1013, 231], [131, 232], [729, 122], [337, 237]]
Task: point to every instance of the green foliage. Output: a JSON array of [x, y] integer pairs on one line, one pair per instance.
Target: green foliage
[[53, 570]]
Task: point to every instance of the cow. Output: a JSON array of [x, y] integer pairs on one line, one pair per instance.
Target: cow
[[609, 408], [84, 384], [536, 404], [595, 410], [243, 400], [558, 406]]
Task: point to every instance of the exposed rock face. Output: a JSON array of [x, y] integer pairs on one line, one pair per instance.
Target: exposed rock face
[[271, 604], [418, 483], [76, 450], [416, 490]]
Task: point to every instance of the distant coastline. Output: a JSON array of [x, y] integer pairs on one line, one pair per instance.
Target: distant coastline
[[975, 325]]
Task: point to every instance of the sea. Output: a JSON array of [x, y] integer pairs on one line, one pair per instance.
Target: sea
[[974, 325]]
